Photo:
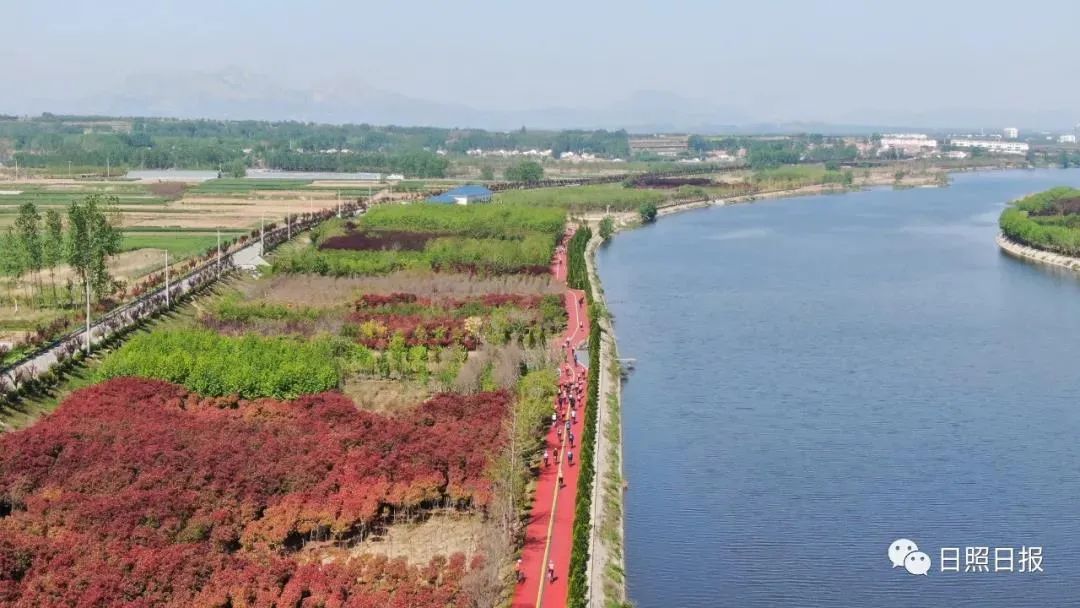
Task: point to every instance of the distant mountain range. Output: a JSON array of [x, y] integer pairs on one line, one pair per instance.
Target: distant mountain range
[[237, 94]]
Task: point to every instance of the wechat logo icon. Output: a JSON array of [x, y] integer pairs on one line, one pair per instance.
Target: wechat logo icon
[[904, 553]]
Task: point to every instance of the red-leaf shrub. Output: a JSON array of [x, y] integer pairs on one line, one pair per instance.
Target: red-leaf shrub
[[137, 492], [417, 330]]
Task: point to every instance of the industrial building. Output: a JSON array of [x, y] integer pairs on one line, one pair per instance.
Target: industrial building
[[660, 145]]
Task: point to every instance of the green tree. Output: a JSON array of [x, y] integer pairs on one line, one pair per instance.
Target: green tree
[[53, 247], [28, 232], [93, 236], [607, 227], [236, 169], [526, 171], [487, 173], [647, 212], [12, 263]]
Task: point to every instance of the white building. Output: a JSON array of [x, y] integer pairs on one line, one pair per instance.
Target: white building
[[993, 145], [1066, 139], [1011, 132], [909, 143]]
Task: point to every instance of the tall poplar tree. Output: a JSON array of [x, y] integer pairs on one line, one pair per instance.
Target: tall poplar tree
[[28, 233], [53, 246]]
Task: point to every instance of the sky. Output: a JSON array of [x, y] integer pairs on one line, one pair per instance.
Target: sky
[[840, 61]]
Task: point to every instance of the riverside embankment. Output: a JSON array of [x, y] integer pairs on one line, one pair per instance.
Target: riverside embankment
[[1024, 252]]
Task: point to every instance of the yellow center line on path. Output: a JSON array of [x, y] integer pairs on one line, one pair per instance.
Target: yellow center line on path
[[551, 524]]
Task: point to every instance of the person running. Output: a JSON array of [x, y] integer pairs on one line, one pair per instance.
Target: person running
[[570, 457], [551, 571], [547, 456], [520, 572], [567, 426], [573, 416], [570, 438], [554, 419], [561, 484]]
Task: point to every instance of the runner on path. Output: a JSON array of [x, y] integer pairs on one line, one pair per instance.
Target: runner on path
[[551, 571]]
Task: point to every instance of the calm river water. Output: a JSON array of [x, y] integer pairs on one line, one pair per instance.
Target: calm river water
[[817, 377]]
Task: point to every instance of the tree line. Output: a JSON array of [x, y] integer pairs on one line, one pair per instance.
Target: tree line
[[54, 141], [37, 244]]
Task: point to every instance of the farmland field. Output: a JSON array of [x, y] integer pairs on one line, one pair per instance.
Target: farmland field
[[181, 244]]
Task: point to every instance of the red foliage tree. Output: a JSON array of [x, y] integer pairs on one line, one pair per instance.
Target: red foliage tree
[[138, 493]]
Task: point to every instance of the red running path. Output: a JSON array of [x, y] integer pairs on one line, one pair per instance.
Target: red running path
[[549, 531]]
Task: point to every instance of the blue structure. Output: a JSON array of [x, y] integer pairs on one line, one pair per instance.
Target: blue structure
[[463, 195]]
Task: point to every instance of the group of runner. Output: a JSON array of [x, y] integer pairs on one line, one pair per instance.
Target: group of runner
[[570, 397]]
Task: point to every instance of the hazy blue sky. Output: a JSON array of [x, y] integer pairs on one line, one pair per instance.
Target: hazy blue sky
[[785, 60]]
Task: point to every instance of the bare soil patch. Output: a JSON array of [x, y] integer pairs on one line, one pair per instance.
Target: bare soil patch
[[417, 543], [382, 395]]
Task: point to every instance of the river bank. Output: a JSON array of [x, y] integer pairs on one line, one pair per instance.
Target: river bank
[[606, 567], [1019, 250]]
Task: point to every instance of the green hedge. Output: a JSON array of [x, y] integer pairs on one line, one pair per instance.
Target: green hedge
[[215, 365], [578, 278]]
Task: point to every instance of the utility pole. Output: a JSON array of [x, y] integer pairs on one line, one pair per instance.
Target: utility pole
[[90, 232], [288, 227], [262, 235], [219, 253], [339, 204], [88, 313], [108, 167], [168, 301]]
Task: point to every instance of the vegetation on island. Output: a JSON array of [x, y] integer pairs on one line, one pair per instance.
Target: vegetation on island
[[1048, 220]]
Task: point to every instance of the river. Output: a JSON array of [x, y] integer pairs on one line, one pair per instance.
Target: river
[[818, 377]]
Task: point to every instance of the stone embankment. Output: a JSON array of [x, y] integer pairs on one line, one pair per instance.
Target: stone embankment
[[1025, 252], [606, 567]]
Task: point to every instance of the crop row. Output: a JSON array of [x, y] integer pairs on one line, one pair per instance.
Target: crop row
[[477, 221]]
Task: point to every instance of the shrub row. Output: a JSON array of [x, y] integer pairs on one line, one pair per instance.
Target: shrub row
[[579, 556], [530, 254], [215, 365], [477, 221]]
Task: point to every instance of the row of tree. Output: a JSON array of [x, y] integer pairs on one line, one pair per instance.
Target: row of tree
[[36, 244]]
